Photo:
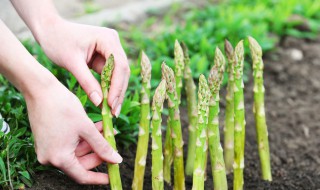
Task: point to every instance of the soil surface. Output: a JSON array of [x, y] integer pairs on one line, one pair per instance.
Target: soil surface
[[292, 104]]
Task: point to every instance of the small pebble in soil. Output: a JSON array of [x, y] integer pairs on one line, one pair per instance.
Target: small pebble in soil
[[295, 54]]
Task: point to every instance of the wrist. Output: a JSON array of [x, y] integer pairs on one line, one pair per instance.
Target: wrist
[[39, 79], [44, 26]]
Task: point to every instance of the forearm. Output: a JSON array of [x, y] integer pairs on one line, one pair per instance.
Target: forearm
[[37, 14], [19, 67]]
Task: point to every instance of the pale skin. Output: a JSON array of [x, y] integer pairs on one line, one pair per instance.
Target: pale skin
[[64, 135]]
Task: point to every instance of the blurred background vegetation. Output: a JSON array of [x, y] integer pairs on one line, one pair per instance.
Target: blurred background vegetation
[[201, 27]]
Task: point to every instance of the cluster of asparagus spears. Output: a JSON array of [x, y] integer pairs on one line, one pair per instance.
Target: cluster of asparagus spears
[[203, 114]]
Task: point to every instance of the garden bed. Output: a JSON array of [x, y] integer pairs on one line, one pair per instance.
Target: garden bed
[[292, 104]]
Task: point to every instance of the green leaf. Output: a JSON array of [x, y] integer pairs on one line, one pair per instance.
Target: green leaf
[[95, 117], [25, 174], [83, 99]]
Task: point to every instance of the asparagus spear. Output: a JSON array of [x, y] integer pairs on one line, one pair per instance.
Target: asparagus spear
[[201, 142], [113, 169], [239, 118], [216, 152], [190, 89], [259, 110], [168, 154], [176, 133], [157, 157], [229, 121], [179, 68], [142, 148]]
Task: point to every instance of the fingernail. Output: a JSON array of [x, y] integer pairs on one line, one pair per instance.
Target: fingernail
[[114, 103], [115, 132], [118, 110], [117, 158], [95, 98]]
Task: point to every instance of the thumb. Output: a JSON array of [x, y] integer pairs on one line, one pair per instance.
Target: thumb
[[87, 81]]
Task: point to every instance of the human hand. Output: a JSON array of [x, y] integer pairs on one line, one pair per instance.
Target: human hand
[[79, 47], [65, 136]]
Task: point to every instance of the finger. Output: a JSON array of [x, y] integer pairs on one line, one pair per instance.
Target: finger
[[98, 144], [109, 43], [90, 161], [87, 81], [76, 171], [118, 86], [123, 92]]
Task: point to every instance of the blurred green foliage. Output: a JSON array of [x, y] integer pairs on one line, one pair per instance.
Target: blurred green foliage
[[201, 28]]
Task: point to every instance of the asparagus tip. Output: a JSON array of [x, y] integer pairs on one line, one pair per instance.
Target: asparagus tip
[[185, 50], [203, 93], [255, 48], [228, 49], [159, 95], [168, 75], [239, 50], [145, 68], [178, 59], [216, 73], [107, 72]]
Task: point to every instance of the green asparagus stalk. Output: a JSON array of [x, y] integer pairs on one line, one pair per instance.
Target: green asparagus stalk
[[201, 142], [216, 152], [157, 157], [142, 148], [190, 89], [176, 133], [179, 69], [229, 121], [168, 154], [239, 118], [113, 169], [259, 109]]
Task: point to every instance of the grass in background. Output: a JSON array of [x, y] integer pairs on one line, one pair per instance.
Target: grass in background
[[201, 28]]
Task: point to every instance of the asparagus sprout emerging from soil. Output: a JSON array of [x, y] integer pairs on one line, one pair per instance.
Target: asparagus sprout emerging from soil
[[239, 118], [179, 69], [259, 109], [191, 96], [113, 169], [201, 142], [176, 133], [216, 152], [142, 147], [229, 120], [157, 157]]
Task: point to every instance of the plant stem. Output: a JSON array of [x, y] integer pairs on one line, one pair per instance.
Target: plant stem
[[239, 118], [216, 151], [168, 154], [176, 133], [179, 69], [229, 121], [113, 169], [143, 140], [259, 109], [157, 157], [190, 89], [201, 142]]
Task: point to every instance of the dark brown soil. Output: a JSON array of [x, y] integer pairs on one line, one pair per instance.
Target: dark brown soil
[[292, 105]]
